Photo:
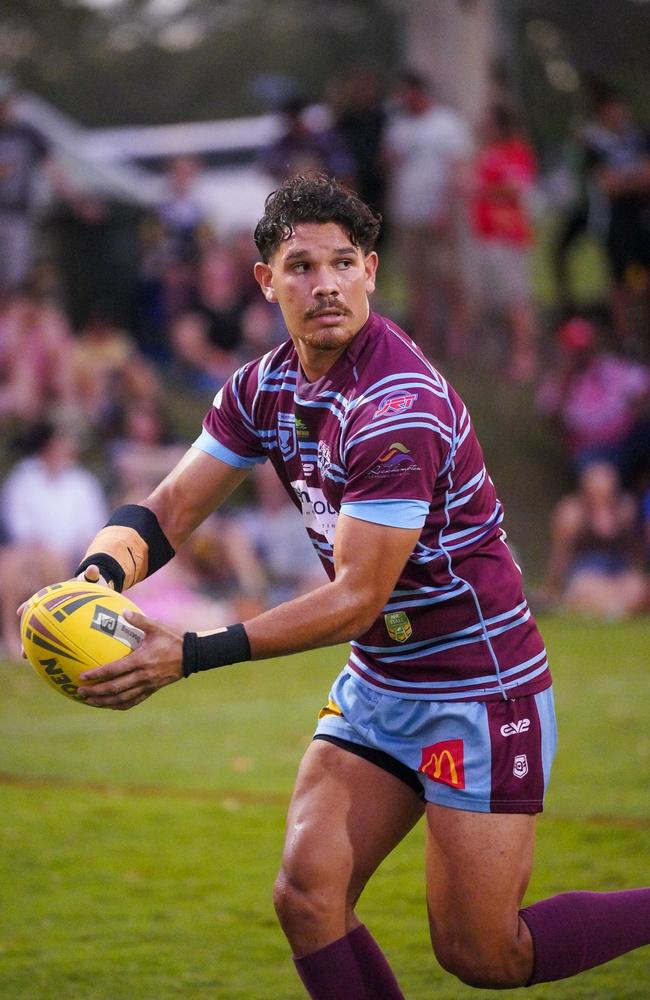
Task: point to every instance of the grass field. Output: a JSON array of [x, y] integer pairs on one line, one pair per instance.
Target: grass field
[[138, 850]]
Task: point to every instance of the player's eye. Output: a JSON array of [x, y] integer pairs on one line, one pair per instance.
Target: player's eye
[[344, 264], [300, 267]]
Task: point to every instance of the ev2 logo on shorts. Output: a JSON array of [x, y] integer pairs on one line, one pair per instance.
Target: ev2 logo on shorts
[[512, 728]]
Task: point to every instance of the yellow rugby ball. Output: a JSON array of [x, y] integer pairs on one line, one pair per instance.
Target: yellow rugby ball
[[74, 626]]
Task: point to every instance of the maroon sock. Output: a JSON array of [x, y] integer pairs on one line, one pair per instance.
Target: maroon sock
[[352, 968], [578, 930], [332, 973], [377, 973]]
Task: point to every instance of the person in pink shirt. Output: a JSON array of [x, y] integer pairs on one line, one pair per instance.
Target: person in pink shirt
[[596, 398]]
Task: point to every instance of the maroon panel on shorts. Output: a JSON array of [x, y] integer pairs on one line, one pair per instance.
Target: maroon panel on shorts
[[517, 760]]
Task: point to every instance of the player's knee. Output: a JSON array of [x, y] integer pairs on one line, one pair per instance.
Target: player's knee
[[300, 902], [482, 965]]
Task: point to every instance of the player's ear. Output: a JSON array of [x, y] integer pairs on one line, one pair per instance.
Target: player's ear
[[370, 266], [264, 277]]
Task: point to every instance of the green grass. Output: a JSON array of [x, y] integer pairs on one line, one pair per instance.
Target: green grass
[[138, 850]]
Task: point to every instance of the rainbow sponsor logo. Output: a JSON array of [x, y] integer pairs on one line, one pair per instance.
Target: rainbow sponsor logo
[[396, 459], [398, 625], [445, 762]]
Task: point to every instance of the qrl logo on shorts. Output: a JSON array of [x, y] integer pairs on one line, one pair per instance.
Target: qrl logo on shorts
[[444, 762], [520, 766]]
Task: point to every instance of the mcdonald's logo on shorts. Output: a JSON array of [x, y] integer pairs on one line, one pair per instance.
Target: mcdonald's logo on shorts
[[444, 762]]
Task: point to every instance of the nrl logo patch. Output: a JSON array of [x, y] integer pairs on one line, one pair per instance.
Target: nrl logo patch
[[398, 626]]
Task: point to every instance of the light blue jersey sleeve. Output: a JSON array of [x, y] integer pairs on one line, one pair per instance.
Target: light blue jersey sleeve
[[392, 513]]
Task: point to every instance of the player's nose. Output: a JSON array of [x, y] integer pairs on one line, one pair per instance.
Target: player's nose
[[325, 283]]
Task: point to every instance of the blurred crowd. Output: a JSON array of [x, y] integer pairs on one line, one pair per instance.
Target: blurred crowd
[[89, 403]]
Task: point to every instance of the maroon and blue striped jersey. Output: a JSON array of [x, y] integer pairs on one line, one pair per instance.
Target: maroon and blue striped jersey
[[383, 437]]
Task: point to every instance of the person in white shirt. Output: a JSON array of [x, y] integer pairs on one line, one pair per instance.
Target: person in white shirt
[[426, 148], [49, 504]]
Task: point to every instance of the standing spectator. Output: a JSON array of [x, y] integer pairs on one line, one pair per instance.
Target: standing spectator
[[360, 115], [49, 503], [427, 148], [22, 152], [171, 243], [619, 157], [595, 398], [504, 176], [596, 557], [301, 147]]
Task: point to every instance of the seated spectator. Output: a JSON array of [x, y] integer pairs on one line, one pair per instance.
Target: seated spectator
[[108, 370], [206, 338], [50, 505], [35, 355], [504, 177], [596, 557], [595, 398], [143, 451]]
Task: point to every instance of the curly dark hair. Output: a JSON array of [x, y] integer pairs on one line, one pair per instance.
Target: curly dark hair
[[314, 197]]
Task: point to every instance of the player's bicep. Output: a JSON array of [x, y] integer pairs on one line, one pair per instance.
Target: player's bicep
[[197, 486], [369, 557]]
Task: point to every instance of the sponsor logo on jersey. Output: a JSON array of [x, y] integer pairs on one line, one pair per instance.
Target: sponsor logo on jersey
[[520, 766], [287, 435], [395, 459], [398, 625], [395, 403], [317, 512], [324, 458], [445, 762], [512, 728]]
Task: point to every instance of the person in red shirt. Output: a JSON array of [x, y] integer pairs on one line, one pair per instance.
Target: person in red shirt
[[504, 176]]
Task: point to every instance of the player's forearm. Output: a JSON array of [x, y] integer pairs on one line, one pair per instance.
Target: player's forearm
[[327, 616]]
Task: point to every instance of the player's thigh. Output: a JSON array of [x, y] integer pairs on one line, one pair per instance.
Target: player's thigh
[[478, 869], [346, 815]]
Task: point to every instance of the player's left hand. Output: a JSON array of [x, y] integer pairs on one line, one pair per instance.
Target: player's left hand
[[127, 682]]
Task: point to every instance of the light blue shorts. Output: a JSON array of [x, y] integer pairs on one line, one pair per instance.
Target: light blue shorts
[[482, 756]]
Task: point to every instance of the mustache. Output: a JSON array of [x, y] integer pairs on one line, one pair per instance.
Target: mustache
[[324, 305]]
